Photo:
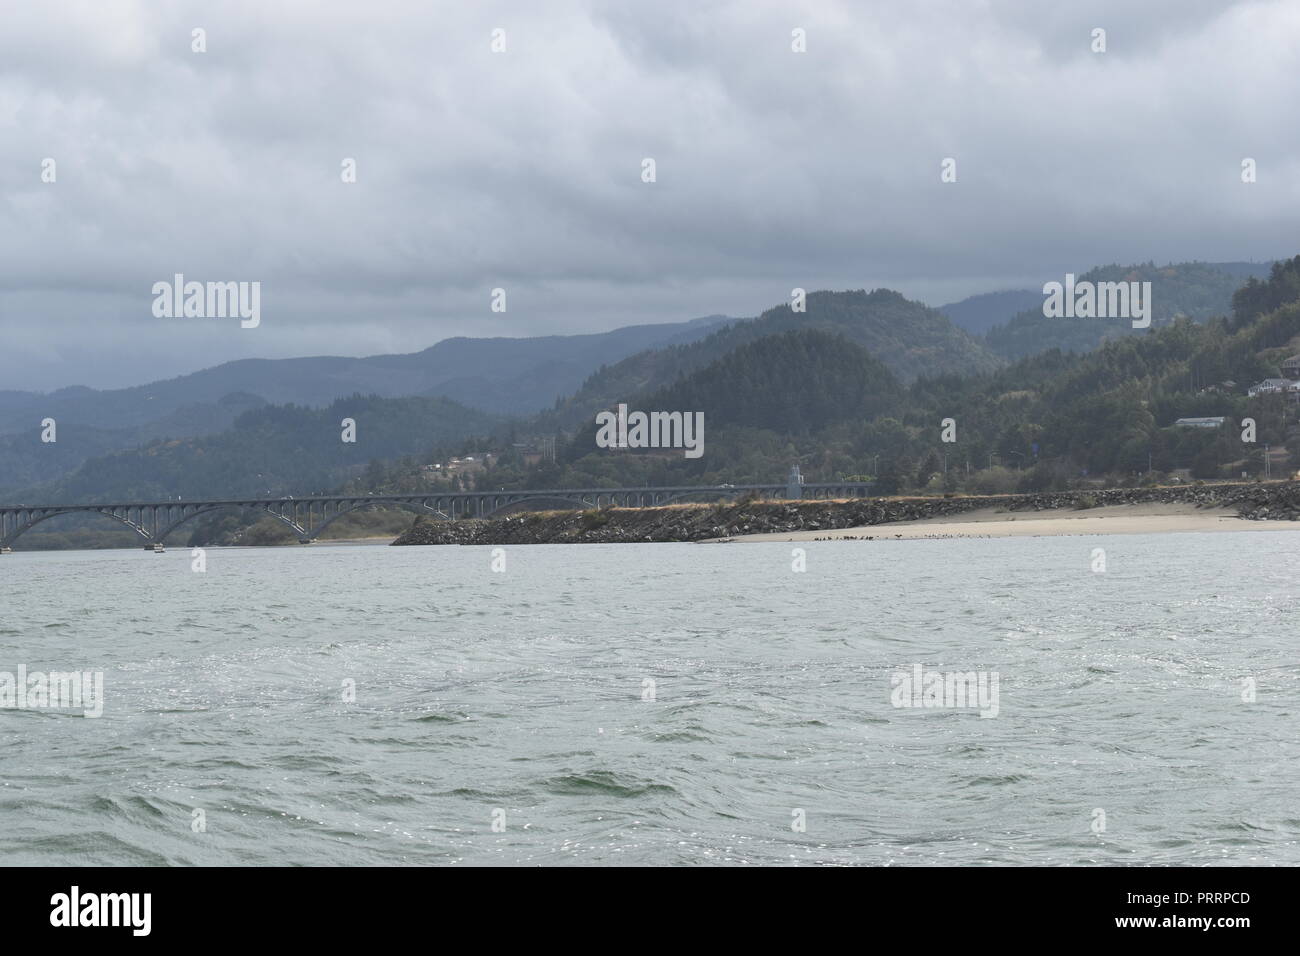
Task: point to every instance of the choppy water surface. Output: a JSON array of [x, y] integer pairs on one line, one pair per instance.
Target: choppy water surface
[[522, 691]]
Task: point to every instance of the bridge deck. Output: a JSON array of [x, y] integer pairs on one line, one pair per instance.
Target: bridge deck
[[309, 515]]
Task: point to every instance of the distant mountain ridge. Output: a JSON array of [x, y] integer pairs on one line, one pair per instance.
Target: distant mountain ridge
[[506, 376], [494, 376], [979, 313]]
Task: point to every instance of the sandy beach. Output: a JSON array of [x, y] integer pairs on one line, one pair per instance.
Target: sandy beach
[[991, 523]]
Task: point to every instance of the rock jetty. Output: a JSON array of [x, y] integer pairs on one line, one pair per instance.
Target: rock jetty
[[1269, 501]]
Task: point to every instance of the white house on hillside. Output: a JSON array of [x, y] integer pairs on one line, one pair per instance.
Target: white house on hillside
[[1274, 386]]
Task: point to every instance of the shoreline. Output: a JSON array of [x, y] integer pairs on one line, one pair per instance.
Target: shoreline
[[1147, 510], [989, 523]]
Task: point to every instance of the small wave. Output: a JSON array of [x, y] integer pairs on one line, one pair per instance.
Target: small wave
[[996, 781], [603, 782], [125, 806], [97, 844]]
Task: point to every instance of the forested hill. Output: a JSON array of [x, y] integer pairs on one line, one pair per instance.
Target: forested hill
[[276, 449], [792, 385], [793, 382], [1197, 290], [1112, 411], [909, 338], [1051, 420]]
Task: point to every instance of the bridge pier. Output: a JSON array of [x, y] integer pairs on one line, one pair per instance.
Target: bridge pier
[[794, 483]]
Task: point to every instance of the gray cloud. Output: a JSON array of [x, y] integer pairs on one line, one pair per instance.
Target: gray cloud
[[522, 169]]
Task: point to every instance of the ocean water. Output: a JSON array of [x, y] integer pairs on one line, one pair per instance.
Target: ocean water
[[660, 704]]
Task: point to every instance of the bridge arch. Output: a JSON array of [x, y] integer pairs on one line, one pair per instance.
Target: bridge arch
[[417, 507], [19, 530], [292, 525]]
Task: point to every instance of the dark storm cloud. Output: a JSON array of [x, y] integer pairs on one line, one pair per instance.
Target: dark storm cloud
[[522, 169]]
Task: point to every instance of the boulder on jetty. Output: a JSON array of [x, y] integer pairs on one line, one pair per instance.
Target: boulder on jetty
[[1271, 501]]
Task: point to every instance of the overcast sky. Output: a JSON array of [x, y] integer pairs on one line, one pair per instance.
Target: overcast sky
[[522, 169]]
